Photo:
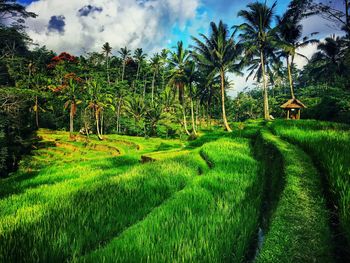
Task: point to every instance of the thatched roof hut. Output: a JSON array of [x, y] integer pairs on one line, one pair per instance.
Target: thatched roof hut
[[293, 108]]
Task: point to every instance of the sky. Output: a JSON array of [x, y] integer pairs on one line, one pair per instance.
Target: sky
[[80, 26]]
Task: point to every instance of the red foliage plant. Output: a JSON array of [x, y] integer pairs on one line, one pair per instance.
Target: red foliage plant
[[64, 56]]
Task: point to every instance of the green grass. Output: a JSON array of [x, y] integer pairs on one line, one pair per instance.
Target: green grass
[[298, 229], [197, 201], [213, 219], [329, 148], [57, 213]]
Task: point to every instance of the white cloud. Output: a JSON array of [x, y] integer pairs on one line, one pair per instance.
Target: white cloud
[[132, 23]]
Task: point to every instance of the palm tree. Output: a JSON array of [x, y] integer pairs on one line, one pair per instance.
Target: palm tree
[[218, 54], [258, 38], [178, 61], [70, 94], [136, 108], [290, 32], [107, 50], [155, 64], [328, 60], [191, 73], [98, 101], [125, 53], [139, 57]]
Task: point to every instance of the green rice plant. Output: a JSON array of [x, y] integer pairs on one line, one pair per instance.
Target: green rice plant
[[213, 219], [74, 223], [298, 228], [329, 149], [63, 210]]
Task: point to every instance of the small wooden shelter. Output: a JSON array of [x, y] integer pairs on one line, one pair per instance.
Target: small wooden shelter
[[293, 108]]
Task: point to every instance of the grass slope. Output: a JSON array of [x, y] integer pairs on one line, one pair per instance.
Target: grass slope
[[298, 230], [213, 219], [50, 220]]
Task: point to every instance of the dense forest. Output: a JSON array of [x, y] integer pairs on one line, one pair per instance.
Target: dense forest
[[177, 91]]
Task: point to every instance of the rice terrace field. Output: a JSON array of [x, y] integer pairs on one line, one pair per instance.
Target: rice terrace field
[[275, 192], [174, 131]]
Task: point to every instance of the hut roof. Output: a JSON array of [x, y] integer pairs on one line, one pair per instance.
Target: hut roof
[[293, 104]]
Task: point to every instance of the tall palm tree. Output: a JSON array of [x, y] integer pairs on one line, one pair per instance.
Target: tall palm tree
[[71, 90], [177, 61], [125, 53], [290, 32], [258, 38], [328, 60], [191, 73], [139, 57], [155, 64], [218, 54], [107, 50]]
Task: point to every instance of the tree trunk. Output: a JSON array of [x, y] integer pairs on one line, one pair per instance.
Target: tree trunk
[[153, 82], [71, 120], [97, 125], [36, 112], [102, 122], [123, 72], [290, 78], [266, 100], [107, 62], [222, 74], [138, 71], [185, 121], [118, 115], [192, 113]]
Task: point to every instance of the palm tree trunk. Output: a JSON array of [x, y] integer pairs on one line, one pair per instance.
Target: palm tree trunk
[[192, 113], [123, 72], [97, 124], [222, 74], [138, 71], [184, 119], [102, 122], [192, 117], [71, 120], [36, 112], [153, 81], [290, 78], [107, 62], [266, 100], [118, 115]]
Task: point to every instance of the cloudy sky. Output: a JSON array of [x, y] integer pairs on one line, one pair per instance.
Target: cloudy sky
[[80, 26]]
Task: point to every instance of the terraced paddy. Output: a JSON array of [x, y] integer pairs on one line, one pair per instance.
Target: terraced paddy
[[259, 194]]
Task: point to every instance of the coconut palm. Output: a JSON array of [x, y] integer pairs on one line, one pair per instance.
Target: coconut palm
[[139, 57], [328, 60], [177, 61], [155, 65], [124, 53], [290, 32], [70, 93], [107, 50], [191, 73], [218, 54], [259, 39], [98, 100]]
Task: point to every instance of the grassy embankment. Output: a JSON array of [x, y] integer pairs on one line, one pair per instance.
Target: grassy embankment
[[328, 144], [297, 228]]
